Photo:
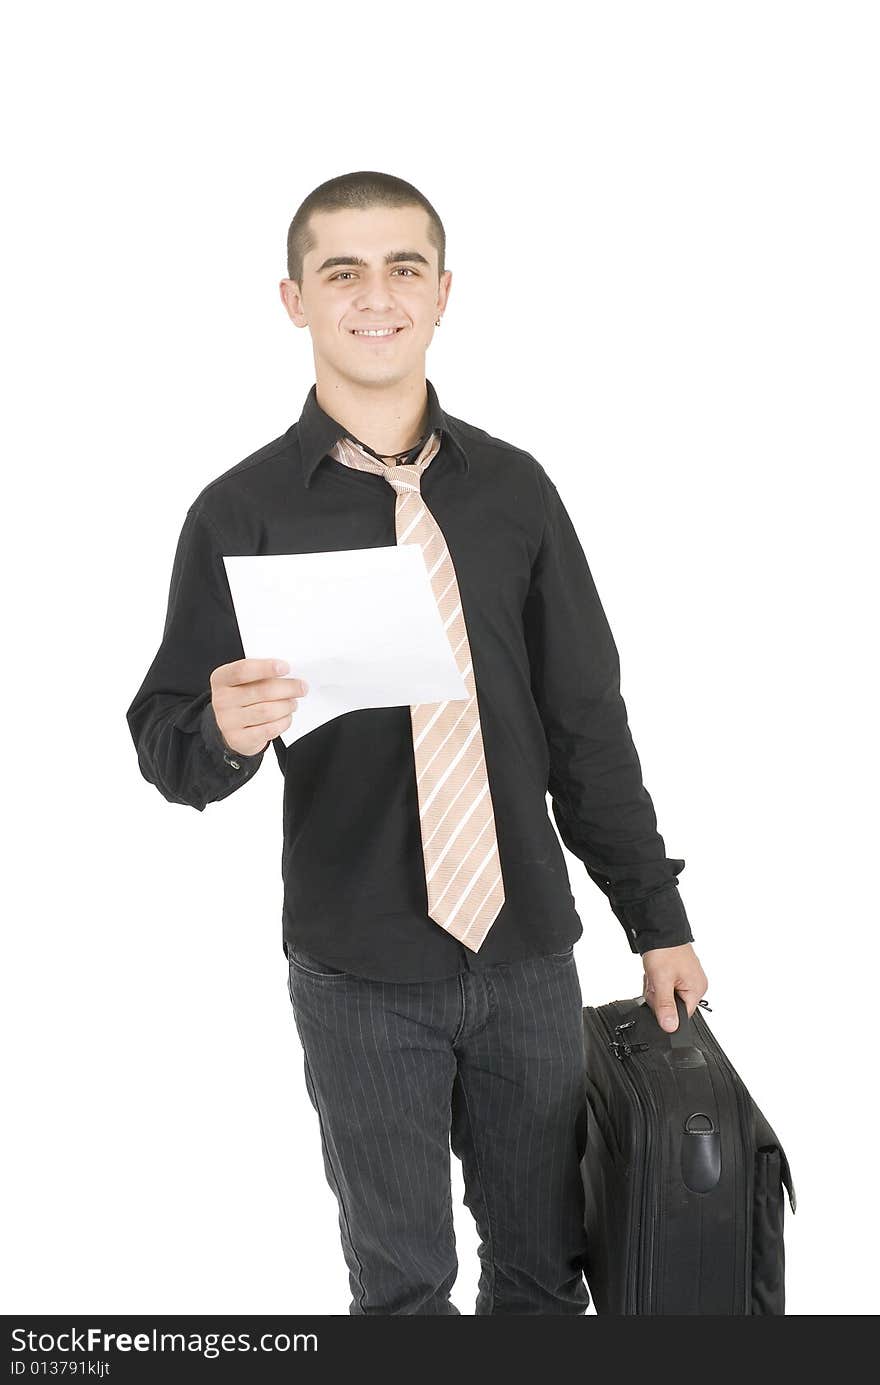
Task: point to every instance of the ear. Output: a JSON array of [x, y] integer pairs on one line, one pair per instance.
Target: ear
[[292, 300]]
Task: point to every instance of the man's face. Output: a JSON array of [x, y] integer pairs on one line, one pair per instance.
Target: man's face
[[337, 300]]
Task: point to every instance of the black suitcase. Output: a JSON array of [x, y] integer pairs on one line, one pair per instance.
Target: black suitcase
[[682, 1174]]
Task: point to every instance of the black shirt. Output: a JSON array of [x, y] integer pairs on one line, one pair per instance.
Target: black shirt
[[547, 674]]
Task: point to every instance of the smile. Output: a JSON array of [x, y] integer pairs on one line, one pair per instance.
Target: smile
[[375, 331]]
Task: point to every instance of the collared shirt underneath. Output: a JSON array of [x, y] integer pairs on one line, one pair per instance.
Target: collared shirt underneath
[[551, 713]]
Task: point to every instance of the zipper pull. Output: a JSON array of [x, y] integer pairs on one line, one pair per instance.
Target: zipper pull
[[622, 1047], [623, 1050]]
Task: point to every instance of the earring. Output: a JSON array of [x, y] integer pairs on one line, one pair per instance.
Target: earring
[[437, 323]]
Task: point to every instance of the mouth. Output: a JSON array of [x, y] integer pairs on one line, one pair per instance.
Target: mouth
[[376, 333]]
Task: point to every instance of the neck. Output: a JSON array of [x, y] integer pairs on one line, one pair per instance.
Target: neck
[[389, 418]]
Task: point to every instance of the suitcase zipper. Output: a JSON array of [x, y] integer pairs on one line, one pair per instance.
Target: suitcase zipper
[[638, 1287]]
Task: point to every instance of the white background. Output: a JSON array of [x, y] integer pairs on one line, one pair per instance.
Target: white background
[[662, 225]]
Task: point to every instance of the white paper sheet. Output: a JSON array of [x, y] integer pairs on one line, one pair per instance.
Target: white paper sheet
[[361, 627]]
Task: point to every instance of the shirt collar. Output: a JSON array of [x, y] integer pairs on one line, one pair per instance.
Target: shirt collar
[[317, 431]]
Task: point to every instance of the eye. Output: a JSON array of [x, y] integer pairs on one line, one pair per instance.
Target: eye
[[401, 269]]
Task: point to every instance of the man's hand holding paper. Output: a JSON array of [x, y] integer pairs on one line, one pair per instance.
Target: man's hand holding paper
[[254, 701], [360, 626]]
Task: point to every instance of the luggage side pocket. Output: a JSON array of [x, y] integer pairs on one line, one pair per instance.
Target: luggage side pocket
[[768, 1249]]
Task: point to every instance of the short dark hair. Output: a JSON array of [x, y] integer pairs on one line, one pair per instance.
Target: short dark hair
[[363, 189]]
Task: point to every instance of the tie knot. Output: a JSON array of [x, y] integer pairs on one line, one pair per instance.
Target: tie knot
[[404, 478]]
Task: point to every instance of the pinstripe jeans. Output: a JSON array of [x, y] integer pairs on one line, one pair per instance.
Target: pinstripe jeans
[[489, 1063]]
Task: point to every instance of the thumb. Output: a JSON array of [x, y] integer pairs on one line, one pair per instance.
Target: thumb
[[667, 1014]]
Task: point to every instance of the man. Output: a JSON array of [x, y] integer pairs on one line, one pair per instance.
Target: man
[[428, 919]]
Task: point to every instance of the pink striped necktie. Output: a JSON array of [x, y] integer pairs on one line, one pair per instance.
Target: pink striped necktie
[[459, 843]]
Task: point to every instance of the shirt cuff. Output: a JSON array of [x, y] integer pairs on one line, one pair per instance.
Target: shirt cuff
[[220, 751], [658, 921]]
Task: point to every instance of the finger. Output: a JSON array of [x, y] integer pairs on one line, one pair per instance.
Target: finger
[[274, 728], [690, 996], [665, 1009], [273, 689], [267, 733], [263, 713], [248, 670]]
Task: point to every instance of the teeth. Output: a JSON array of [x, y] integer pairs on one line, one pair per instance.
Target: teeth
[[385, 332]]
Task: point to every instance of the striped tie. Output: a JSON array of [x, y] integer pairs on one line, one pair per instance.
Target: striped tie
[[459, 845]]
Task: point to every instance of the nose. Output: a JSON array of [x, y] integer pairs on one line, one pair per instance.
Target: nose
[[374, 294]]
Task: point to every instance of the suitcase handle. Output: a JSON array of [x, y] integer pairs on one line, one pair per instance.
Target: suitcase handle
[[683, 1036]]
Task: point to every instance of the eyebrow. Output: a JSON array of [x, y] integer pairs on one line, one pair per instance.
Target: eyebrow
[[393, 257]]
